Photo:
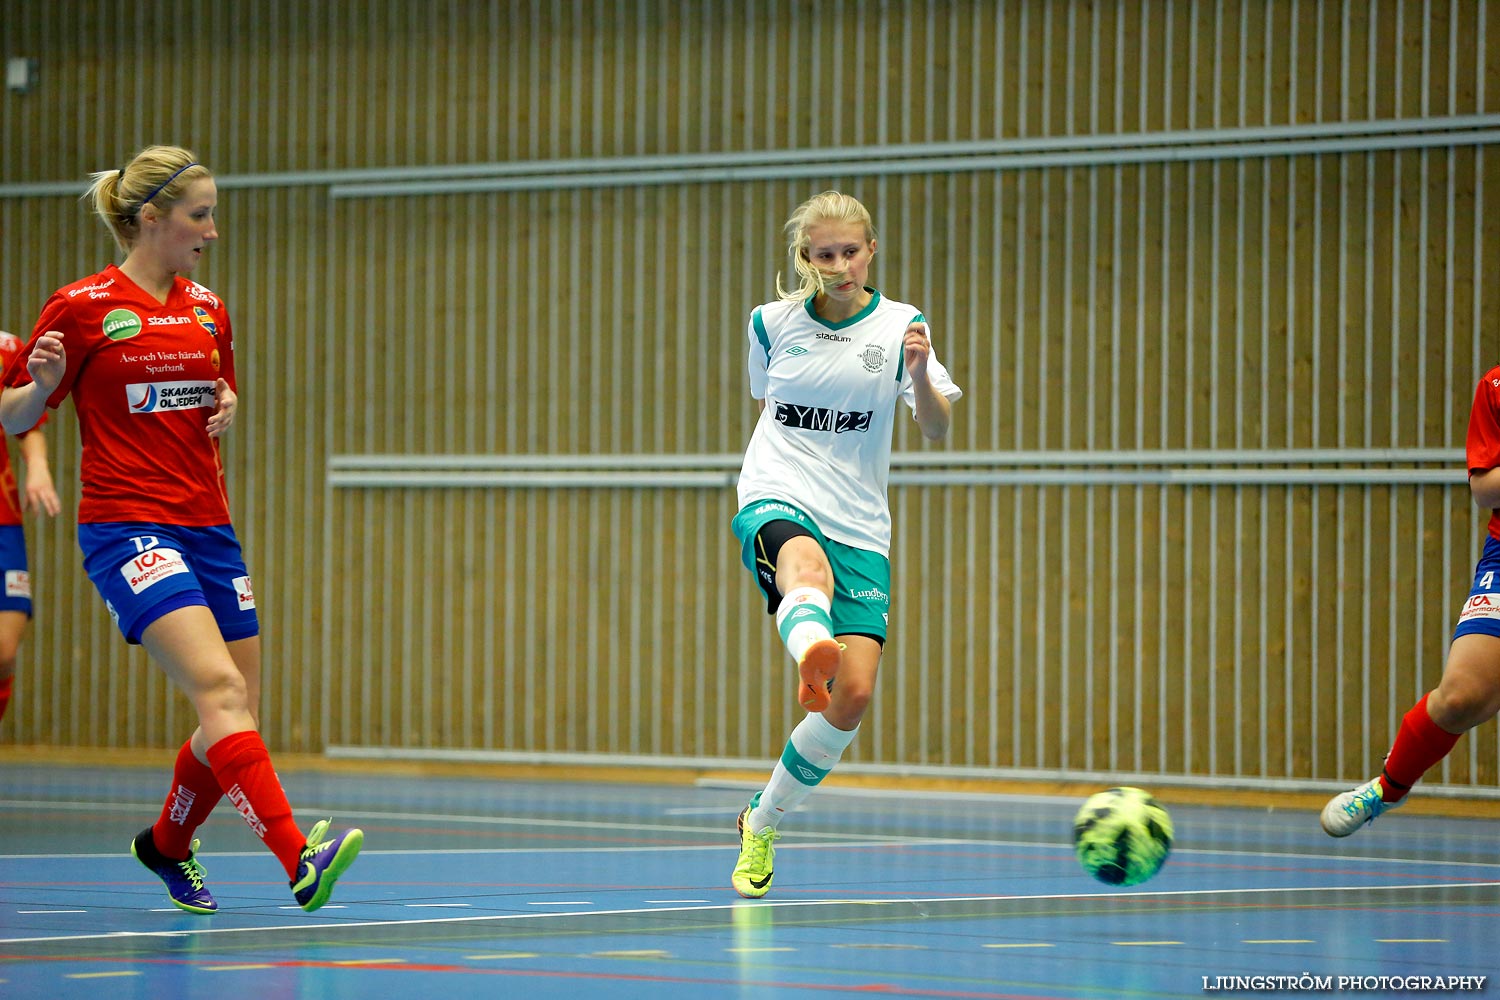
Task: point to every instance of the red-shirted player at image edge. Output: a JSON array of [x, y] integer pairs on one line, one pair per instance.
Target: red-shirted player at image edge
[[144, 351], [15, 577], [1469, 692]]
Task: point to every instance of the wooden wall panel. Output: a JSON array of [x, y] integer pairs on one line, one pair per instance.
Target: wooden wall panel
[[1318, 299]]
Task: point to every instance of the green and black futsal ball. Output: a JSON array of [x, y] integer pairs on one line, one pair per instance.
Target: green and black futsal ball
[[1122, 836]]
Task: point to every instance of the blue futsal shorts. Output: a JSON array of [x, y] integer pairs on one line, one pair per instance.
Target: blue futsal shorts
[[15, 594], [1481, 613], [143, 571]]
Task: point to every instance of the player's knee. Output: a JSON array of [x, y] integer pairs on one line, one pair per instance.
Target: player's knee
[[808, 572], [7, 664], [1461, 703], [852, 697], [222, 690]]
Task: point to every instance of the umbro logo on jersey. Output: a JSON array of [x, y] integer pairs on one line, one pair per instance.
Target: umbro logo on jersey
[[797, 352], [820, 418]]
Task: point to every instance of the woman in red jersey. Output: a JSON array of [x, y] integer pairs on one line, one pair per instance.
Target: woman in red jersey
[[144, 352], [1468, 693], [15, 575]]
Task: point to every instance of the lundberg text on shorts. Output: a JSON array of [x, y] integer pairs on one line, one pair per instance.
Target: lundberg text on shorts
[[1307, 981]]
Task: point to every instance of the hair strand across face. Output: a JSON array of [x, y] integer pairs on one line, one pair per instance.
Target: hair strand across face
[[829, 206]]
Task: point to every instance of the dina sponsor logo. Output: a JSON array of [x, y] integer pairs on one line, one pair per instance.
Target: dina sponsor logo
[[121, 324]]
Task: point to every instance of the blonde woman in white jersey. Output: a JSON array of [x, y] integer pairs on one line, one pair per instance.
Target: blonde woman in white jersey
[[828, 362]]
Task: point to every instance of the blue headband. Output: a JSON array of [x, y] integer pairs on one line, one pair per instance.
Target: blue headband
[[157, 190]]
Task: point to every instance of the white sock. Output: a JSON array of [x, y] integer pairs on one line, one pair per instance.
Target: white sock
[[814, 748], [804, 617]]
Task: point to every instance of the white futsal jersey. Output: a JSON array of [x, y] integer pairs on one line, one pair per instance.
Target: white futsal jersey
[[823, 442]]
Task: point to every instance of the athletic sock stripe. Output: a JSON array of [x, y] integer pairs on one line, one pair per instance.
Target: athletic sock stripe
[[800, 768]]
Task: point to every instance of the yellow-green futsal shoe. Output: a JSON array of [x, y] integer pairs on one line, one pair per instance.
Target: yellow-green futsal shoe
[[752, 875]]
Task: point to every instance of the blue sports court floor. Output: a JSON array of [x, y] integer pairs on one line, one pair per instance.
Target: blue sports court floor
[[473, 886]]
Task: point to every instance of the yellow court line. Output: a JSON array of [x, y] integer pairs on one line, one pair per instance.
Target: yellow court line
[[1039, 944], [747, 951], [1142, 944], [99, 975], [499, 955], [642, 953], [370, 961], [1412, 940], [1278, 941], [234, 968]]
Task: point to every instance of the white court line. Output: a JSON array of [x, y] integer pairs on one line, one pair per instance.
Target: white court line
[[839, 840], [53, 911], [304, 927], [1062, 848], [521, 821]]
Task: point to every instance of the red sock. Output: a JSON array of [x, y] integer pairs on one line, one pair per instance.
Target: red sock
[[195, 792], [1420, 743], [242, 765], [5, 688]]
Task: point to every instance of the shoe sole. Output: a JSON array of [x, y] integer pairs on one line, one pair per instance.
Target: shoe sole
[[342, 859], [202, 911], [819, 664], [739, 826]]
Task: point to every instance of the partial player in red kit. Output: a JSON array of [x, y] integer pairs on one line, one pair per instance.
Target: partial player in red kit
[[15, 574], [148, 357], [1469, 692]]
